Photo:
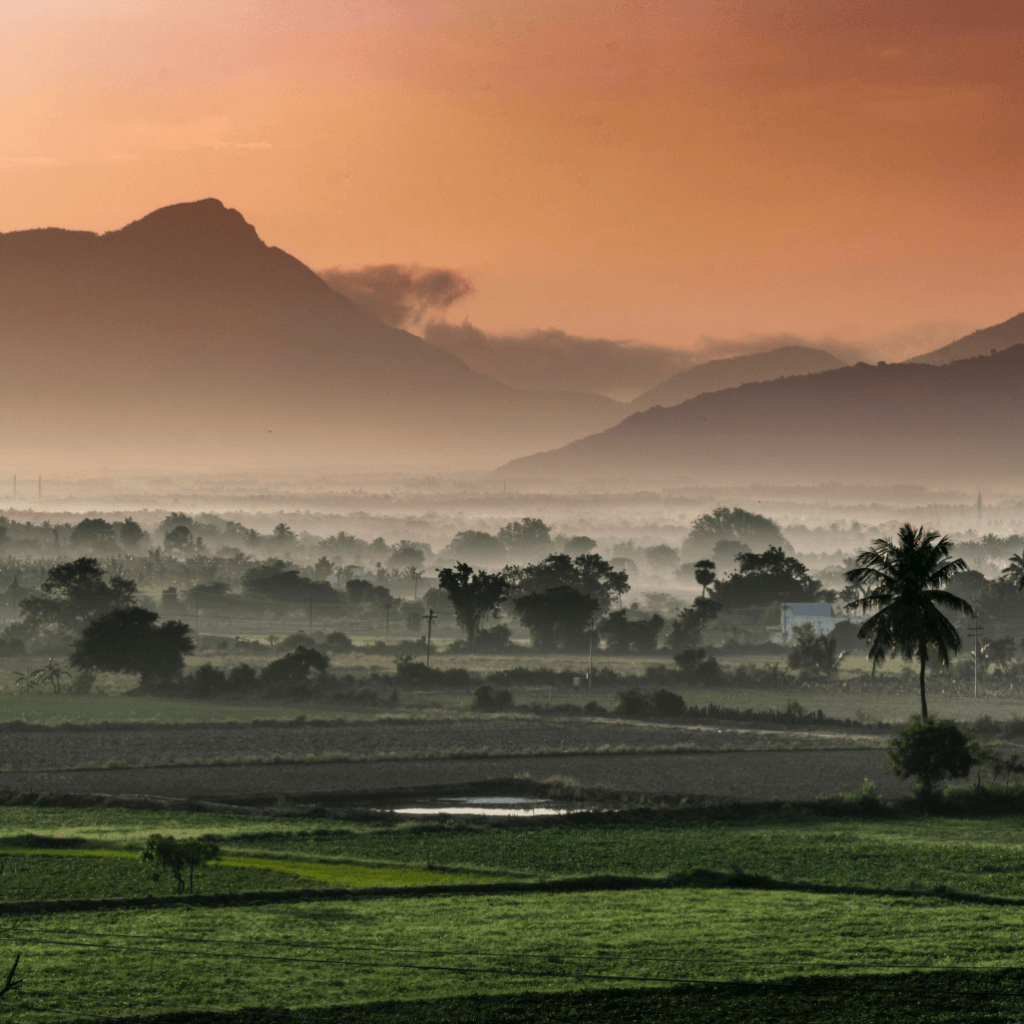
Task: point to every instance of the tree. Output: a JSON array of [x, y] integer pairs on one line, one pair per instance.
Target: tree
[[905, 582], [691, 622], [178, 539], [130, 534], [772, 577], [129, 640], [527, 538], [704, 573], [558, 619], [179, 855], [292, 672], [587, 574], [406, 553], [93, 534], [736, 525], [816, 656], [74, 593], [932, 750], [473, 594], [475, 546], [1014, 572], [622, 635]]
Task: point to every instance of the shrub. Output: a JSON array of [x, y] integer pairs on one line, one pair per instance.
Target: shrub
[[632, 704], [243, 677], [205, 681], [417, 673], [697, 666], [300, 639], [292, 672], [595, 710], [932, 750], [338, 642], [487, 698], [666, 704]]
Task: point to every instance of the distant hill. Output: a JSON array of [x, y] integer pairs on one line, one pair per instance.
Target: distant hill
[[980, 343], [717, 374], [183, 341], [860, 424]]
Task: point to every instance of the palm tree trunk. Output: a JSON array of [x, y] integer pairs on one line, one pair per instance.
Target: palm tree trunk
[[924, 702]]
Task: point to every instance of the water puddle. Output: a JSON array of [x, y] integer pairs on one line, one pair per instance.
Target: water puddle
[[506, 806]]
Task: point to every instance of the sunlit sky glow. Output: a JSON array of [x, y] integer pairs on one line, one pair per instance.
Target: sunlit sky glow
[[657, 171]]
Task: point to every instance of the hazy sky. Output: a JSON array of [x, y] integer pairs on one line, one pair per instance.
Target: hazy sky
[[649, 170]]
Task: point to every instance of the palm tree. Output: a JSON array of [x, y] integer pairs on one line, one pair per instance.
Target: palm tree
[[905, 581], [1014, 572]]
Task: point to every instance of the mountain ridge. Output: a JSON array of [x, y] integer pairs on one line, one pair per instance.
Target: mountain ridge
[[187, 325], [899, 422]]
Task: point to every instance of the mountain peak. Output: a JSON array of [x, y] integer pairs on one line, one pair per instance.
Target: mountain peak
[[205, 220]]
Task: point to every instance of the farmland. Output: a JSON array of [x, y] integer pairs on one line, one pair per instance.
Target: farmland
[[868, 907]]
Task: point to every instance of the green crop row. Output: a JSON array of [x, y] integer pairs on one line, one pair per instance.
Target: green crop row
[[328, 954]]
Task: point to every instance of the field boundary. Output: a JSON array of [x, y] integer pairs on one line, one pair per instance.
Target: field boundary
[[697, 879]]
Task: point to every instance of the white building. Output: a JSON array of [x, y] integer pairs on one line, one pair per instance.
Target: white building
[[818, 616]]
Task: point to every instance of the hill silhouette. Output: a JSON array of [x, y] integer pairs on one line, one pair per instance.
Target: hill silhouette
[[979, 343], [183, 341], [717, 374], [894, 423]]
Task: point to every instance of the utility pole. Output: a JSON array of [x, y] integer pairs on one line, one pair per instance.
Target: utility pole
[[977, 632], [14, 614], [430, 616], [590, 671], [387, 620], [197, 614], [310, 614]]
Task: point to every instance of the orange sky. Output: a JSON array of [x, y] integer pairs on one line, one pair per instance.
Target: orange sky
[[658, 171]]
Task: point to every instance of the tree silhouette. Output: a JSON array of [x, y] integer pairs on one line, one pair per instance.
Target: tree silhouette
[[905, 582], [129, 640], [473, 594], [75, 593], [1014, 572], [704, 573]]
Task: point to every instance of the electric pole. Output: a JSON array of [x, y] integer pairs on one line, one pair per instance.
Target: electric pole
[[590, 671], [310, 614], [387, 620], [197, 614], [977, 632], [430, 616]]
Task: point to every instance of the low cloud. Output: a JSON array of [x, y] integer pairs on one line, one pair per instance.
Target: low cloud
[[399, 295], [551, 360]]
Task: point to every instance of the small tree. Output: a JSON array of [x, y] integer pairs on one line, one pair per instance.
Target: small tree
[[933, 749], [178, 856], [704, 573]]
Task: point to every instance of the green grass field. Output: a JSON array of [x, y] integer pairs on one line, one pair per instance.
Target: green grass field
[[703, 954]]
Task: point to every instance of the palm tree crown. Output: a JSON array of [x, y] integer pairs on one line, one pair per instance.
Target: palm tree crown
[[906, 582], [1014, 572]]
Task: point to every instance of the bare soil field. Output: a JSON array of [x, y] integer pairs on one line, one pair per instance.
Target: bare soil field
[[732, 775], [385, 737]]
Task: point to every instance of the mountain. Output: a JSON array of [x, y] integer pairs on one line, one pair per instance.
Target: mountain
[[182, 341], [981, 343], [717, 374], [892, 423]]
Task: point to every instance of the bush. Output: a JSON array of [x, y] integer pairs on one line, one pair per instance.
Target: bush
[[205, 681], [339, 643], [292, 672], [595, 710], [666, 704], [632, 704], [417, 673], [697, 666], [300, 639], [487, 698], [932, 750]]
